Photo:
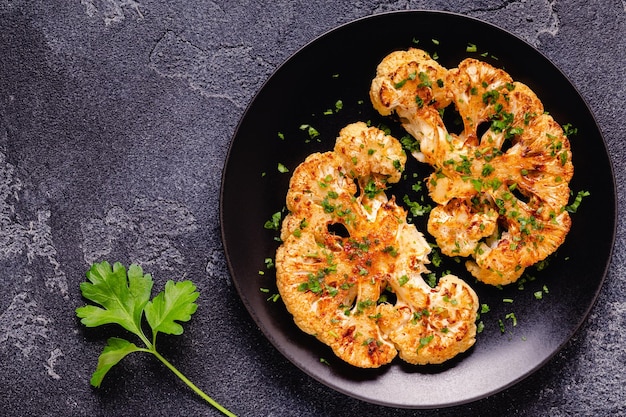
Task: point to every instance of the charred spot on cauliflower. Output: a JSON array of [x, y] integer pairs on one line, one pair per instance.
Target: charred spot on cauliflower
[[502, 183], [332, 282]]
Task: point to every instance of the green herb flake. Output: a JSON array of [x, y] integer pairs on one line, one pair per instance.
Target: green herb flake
[[274, 222], [311, 131], [431, 280], [573, 208], [436, 258], [273, 298], [410, 144], [480, 326], [403, 280], [425, 341], [501, 326], [391, 251], [569, 130], [415, 207], [424, 80], [490, 97], [371, 190], [511, 316], [282, 168]]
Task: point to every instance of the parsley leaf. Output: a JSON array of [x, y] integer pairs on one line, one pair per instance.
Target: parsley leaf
[[115, 350], [175, 304], [123, 298]]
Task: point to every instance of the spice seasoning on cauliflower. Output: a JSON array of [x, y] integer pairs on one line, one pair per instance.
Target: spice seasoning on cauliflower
[[345, 243], [501, 194]]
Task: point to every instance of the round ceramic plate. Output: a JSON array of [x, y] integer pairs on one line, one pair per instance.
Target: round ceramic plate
[[301, 109]]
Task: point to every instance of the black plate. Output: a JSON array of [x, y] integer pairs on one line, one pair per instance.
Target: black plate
[[339, 66]]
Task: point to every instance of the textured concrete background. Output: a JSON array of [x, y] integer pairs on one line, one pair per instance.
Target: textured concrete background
[[116, 116]]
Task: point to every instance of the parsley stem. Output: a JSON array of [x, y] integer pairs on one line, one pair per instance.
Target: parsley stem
[[192, 385]]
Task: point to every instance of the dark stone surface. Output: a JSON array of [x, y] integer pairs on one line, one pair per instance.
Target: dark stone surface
[[116, 116]]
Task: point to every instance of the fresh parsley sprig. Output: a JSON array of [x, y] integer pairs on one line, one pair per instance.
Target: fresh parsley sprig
[[124, 298]]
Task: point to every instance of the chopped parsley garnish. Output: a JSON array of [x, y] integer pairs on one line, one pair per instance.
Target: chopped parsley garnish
[[274, 222], [573, 208], [371, 190], [403, 280], [431, 280], [511, 316], [424, 80], [416, 208], [569, 130], [480, 326], [391, 251], [401, 83], [361, 306], [282, 168], [417, 315], [410, 144], [491, 96], [311, 131], [273, 298], [425, 341]]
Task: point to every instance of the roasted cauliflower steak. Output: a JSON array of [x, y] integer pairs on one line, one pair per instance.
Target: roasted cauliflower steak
[[501, 184], [344, 243]]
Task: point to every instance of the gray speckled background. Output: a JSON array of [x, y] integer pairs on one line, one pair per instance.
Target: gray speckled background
[[115, 120]]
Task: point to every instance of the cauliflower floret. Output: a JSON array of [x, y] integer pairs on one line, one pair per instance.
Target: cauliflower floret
[[501, 194], [410, 83], [345, 242], [435, 329]]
